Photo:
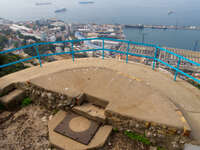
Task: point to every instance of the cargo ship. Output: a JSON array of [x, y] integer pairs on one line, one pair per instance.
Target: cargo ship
[[86, 2], [134, 26], [47, 3], [60, 10]]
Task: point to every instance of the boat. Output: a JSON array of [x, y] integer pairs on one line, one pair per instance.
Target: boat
[[170, 12], [86, 2], [47, 3], [60, 10], [139, 26]]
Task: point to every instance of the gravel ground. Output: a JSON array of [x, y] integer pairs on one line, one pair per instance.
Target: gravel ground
[[118, 141], [27, 129]]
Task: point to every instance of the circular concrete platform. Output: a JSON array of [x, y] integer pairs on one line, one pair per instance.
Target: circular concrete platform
[[132, 90], [117, 91], [79, 124]]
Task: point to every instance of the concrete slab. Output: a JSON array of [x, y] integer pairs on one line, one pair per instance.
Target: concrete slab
[[146, 90], [127, 96], [65, 143]]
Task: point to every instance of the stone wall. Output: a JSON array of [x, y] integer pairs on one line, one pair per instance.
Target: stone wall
[[49, 99], [159, 135]]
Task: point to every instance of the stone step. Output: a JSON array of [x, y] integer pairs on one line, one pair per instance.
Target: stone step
[[66, 143], [12, 99], [91, 111], [6, 89], [96, 100]]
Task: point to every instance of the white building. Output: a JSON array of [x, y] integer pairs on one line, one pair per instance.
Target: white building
[[15, 27]]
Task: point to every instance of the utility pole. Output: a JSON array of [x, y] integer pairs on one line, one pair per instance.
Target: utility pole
[[143, 37]]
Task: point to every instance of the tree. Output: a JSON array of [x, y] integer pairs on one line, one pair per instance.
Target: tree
[[7, 58], [2, 59], [16, 44], [42, 49], [3, 41]]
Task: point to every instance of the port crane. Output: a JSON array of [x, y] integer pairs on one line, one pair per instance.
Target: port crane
[[196, 45]]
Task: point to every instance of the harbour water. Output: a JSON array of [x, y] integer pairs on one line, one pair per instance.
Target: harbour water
[[183, 39], [155, 12]]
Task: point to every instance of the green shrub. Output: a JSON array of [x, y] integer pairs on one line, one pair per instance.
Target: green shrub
[[115, 130], [26, 102], [137, 137], [140, 138], [160, 148], [55, 111], [8, 58], [194, 83], [2, 106]]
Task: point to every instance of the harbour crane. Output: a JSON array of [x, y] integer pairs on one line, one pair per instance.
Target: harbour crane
[[196, 45]]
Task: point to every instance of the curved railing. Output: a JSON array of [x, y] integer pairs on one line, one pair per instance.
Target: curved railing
[[125, 52]]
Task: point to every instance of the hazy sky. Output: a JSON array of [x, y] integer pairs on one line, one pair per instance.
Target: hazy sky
[[106, 11]]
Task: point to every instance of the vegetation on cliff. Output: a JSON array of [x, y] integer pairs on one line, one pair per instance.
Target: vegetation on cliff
[[8, 58]]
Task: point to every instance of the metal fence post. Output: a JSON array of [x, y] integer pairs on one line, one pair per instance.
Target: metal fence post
[[103, 49], [178, 65], [154, 59], [127, 52], [72, 47], [38, 55]]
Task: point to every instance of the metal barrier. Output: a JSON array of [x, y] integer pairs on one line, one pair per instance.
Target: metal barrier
[[103, 49]]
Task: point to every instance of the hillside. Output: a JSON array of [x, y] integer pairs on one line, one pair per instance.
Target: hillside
[[7, 58]]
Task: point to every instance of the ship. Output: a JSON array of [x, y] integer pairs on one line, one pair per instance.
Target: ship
[[86, 2], [140, 26], [47, 3], [60, 10], [170, 12]]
